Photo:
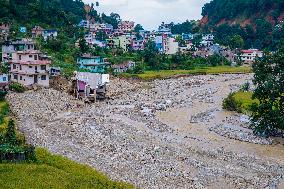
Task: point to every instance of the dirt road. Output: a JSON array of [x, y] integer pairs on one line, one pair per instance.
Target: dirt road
[[162, 134]]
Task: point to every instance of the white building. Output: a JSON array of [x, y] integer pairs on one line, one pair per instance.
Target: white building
[[170, 45], [249, 56]]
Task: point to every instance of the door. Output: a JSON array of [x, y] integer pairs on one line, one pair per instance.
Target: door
[[35, 69], [35, 79]]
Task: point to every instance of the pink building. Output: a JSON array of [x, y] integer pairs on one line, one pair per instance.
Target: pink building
[[29, 68], [126, 26], [4, 27], [37, 31]]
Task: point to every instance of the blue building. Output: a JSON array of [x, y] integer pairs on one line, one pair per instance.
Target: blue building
[[187, 36], [94, 64], [159, 43]]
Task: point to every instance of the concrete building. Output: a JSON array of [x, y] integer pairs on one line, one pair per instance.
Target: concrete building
[[123, 67], [94, 64], [249, 56], [37, 31], [49, 34], [126, 26], [29, 68], [10, 47], [170, 46]]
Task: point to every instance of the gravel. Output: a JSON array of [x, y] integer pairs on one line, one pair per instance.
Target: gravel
[[162, 134]]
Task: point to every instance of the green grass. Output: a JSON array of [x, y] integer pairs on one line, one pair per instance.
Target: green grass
[[241, 102], [52, 171], [163, 74]]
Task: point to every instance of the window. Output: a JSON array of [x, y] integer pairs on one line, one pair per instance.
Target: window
[[30, 56], [4, 79], [20, 67], [20, 57], [16, 77], [30, 76], [43, 67], [43, 77], [21, 77], [35, 57], [30, 67], [14, 66]]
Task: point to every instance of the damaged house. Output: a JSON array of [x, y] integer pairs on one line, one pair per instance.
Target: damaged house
[[90, 86]]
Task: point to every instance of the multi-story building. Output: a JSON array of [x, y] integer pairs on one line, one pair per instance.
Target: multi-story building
[[165, 28], [29, 68], [207, 40], [170, 45], [95, 64], [126, 26], [10, 47], [37, 31], [4, 28], [249, 56]]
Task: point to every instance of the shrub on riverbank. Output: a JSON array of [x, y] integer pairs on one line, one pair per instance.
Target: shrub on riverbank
[[240, 102]]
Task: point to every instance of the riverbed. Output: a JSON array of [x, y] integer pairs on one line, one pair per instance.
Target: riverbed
[[168, 133]]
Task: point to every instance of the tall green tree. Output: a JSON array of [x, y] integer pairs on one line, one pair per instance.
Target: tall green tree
[[268, 115]]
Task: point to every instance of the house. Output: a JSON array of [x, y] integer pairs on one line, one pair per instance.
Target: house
[[170, 46], [84, 24], [29, 68], [120, 68], [4, 81], [91, 86], [9, 47], [37, 31], [126, 26], [55, 71], [94, 64], [4, 28], [47, 34], [138, 44], [207, 40], [121, 42], [159, 43], [186, 48], [165, 28], [187, 36], [249, 56]]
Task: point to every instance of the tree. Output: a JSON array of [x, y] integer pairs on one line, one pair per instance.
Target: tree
[[237, 42], [268, 115], [138, 27], [151, 55], [84, 48], [11, 136]]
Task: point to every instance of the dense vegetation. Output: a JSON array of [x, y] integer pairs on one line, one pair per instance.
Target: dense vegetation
[[269, 76], [217, 10], [257, 22]]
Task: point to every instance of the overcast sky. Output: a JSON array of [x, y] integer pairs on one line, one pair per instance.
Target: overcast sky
[[150, 13]]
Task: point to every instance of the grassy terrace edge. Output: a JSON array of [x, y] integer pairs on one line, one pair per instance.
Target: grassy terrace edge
[[164, 74], [53, 171]]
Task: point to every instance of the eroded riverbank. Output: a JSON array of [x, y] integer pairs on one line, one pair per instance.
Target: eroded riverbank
[[162, 134]]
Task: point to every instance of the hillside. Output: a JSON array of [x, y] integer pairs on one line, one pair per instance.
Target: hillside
[[243, 12], [257, 22]]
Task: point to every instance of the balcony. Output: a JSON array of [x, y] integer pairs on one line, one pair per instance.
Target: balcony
[[34, 62]]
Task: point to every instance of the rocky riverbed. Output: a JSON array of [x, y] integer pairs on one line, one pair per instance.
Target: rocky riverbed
[[163, 134]]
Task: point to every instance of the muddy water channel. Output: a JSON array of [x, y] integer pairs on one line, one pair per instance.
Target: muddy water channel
[[163, 134]]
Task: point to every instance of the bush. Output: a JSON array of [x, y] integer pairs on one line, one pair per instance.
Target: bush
[[229, 103], [17, 87], [2, 95]]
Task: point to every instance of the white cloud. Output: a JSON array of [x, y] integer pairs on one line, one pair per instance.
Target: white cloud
[[150, 13]]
